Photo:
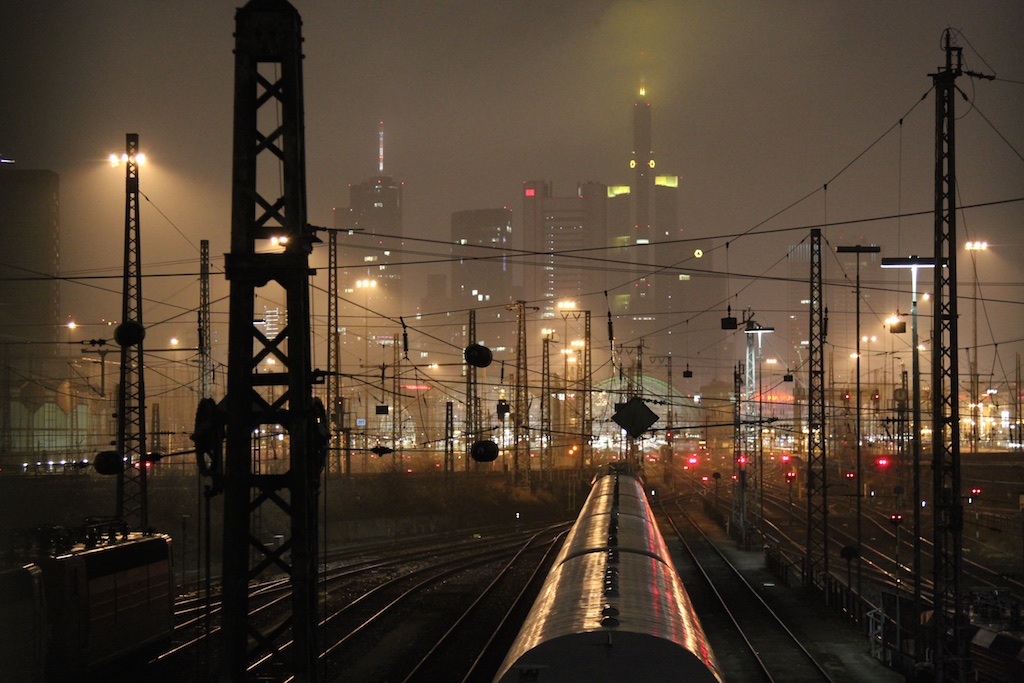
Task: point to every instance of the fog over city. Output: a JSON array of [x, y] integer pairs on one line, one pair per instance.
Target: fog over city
[[495, 266], [756, 108]]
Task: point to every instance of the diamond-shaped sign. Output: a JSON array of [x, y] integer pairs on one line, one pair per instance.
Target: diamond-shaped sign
[[635, 417]]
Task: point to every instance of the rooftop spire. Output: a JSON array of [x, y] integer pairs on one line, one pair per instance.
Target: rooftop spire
[[380, 149]]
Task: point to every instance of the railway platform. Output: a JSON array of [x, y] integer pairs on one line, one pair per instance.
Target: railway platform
[[838, 645]]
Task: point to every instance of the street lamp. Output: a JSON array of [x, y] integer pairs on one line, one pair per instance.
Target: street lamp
[[914, 263], [753, 328], [116, 160], [366, 285], [974, 248], [858, 250]]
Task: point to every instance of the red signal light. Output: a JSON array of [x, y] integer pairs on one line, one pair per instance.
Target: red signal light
[[882, 462]]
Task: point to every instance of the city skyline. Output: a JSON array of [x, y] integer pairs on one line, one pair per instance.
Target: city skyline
[[747, 139]]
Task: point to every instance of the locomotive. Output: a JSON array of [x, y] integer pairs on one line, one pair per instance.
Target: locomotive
[[77, 606]]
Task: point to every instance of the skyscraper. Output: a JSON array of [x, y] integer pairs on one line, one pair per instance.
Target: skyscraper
[[374, 220], [35, 397], [642, 163], [30, 227], [483, 276], [556, 228], [646, 292]]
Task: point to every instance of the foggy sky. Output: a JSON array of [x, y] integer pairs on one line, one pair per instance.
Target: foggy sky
[[755, 106]]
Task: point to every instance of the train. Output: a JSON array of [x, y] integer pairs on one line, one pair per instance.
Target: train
[[78, 606], [612, 607]]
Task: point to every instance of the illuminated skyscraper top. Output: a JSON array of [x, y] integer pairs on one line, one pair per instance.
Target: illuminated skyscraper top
[[642, 163], [375, 205], [380, 149]]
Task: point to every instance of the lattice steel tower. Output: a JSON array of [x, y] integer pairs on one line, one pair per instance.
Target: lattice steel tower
[[132, 503], [474, 417], [269, 201], [521, 404], [206, 375], [951, 657], [335, 404], [817, 486]]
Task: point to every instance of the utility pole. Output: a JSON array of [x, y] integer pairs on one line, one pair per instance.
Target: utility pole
[[449, 445], [670, 424], [817, 469], [206, 377], [269, 156], [754, 426], [857, 250], [335, 405], [914, 263], [739, 457], [545, 409], [474, 422], [520, 403], [586, 387], [951, 655], [636, 457], [396, 410], [132, 501]]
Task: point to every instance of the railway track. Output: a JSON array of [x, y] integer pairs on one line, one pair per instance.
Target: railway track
[[372, 600], [461, 652], [878, 544], [414, 624], [753, 642]]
